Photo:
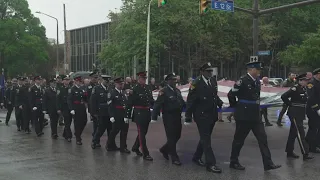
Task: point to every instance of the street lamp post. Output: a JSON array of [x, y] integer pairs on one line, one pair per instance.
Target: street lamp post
[[57, 45], [148, 41]]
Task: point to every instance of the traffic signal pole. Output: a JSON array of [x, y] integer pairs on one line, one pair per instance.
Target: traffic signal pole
[[256, 13]]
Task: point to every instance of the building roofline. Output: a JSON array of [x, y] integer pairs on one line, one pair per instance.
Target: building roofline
[[90, 26]]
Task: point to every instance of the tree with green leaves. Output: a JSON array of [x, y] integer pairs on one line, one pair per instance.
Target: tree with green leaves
[[22, 38]]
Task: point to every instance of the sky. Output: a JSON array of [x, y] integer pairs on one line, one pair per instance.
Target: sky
[[79, 13]]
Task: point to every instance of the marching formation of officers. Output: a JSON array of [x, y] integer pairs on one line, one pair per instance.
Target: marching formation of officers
[[113, 106]]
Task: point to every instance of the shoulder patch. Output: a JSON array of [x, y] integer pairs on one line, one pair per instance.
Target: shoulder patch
[[69, 91], [238, 83], [310, 86], [293, 88]]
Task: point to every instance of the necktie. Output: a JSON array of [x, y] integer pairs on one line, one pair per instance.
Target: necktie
[[209, 84]]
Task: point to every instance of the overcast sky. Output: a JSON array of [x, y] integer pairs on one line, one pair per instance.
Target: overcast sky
[[79, 13]]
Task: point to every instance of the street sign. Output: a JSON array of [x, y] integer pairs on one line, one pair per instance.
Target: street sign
[[253, 58], [264, 53], [223, 5]]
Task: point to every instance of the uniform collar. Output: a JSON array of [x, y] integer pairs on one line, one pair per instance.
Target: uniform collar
[[38, 86], [119, 91], [205, 80], [251, 77]]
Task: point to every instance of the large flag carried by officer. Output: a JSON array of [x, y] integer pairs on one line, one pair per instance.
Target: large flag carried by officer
[[2, 84]]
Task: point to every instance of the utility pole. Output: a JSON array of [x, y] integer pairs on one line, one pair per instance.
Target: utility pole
[[256, 13], [65, 66]]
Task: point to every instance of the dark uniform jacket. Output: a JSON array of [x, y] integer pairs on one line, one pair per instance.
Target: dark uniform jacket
[[76, 98], [141, 99], [116, 104], [169, 100], [99, 100], [22, 96], [203, 101], [89, 92], [62, 96], [36, 96], [11, 95], [247, 90], [313, 91], [50, 101], [296, 98]]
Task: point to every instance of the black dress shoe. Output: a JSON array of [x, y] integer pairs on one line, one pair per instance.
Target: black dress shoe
[[79, 143], [164, 154], [307, 157], [93, 145], [113, 149], [147, 158], [176, 162], [268, 124], [7, 124], [270, 167], [19, 129], [69, 139], [237, 166], [214, 169], [98, 145], [39, 134], [42, 133], [54, 136], [125, 150], [292, 155], [199, 162], [279, 124], [137, 152]]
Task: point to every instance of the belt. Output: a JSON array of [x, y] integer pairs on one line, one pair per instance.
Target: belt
[[119, 107], [298, 105], [77, 102], [249, 102], [141, 107]]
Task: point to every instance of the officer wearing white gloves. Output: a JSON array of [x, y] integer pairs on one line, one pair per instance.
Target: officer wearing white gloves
[[116, 111]]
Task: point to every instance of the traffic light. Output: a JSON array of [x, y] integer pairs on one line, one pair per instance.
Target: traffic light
[[162, 3], [203, 6]]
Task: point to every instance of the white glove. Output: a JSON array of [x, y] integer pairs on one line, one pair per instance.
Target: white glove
[[44, 112], [186, 123], [1, 104], [72, 112], [34, 108], [126, 120], [9, 102], [153, 121], [112, 120], [318, 112]]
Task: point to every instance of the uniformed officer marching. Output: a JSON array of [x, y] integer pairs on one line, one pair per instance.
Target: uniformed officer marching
[[18, 104], [77, 104], [94, 81], [63, 108], [171, 102], [296, 98], [10, 99], [313, 110], [202, 102], [59, 85], [116, 111], [141, 100], [50, 107], [247, 116], [36, 102], [99, 109]]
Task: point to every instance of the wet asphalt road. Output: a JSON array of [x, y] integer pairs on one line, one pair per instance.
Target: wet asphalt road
[[27, 157]]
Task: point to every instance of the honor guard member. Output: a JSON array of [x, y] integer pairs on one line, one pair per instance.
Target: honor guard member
[[171, 102], [50, 107], [10, 99], [99, 109], [116, 110], [77, 100], [296, 98], [202, 102], [94, 81], [58, 86], [18, 111], [141, 100], [22, 104], [247, 116], [313, 110], [63, 108], [36, 102]]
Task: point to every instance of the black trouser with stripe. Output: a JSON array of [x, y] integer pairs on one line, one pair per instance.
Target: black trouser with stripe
[[297, 131]]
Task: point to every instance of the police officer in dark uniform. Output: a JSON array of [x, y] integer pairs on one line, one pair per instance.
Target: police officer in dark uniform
[[116, 111], [17, 104], [77, 101], [59, 84], [313, 110], [50, 107], [63, 108], [171, 102], [247, 116], [141, 100], [99, 109], [94, 81], [10, 99], [202, 102], [22, 105], [296, 98], [36, 103]]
